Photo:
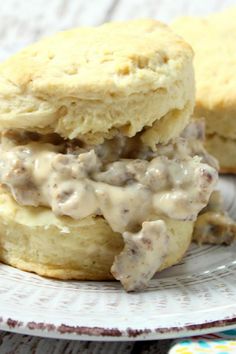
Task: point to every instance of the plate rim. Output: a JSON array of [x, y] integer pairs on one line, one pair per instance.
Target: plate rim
[[63, 331], [47, 328]]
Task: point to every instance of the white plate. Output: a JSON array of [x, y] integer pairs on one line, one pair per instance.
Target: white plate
[[196, 296]]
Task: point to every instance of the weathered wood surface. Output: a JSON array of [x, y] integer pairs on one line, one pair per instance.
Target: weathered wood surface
[[24, 21]]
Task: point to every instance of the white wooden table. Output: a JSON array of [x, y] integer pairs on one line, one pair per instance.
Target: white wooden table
[[24, 21]]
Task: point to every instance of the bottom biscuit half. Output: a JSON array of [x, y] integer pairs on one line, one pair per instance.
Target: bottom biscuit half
[[35, 240]]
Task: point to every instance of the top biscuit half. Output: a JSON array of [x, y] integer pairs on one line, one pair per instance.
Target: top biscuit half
[[92, 83]]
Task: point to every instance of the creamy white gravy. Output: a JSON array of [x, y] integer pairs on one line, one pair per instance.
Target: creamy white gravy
[[121, 180], [214, 225]]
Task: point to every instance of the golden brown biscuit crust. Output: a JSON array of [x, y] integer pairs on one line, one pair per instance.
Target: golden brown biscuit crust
[[91, 83]]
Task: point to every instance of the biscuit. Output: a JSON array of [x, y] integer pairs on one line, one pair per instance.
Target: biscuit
[[92, 83], [224, 150], [214, 42], [34, 239]]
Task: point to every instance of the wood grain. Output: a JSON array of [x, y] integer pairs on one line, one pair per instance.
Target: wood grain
[[20, 344], [21, 23]]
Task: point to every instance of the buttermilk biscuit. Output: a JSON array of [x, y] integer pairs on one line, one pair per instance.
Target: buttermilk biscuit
[[214, 42], [95, 180], [91, 83], [34, 239]]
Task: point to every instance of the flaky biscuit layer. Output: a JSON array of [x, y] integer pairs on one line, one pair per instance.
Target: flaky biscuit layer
[[34, 239], [91, 83]]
